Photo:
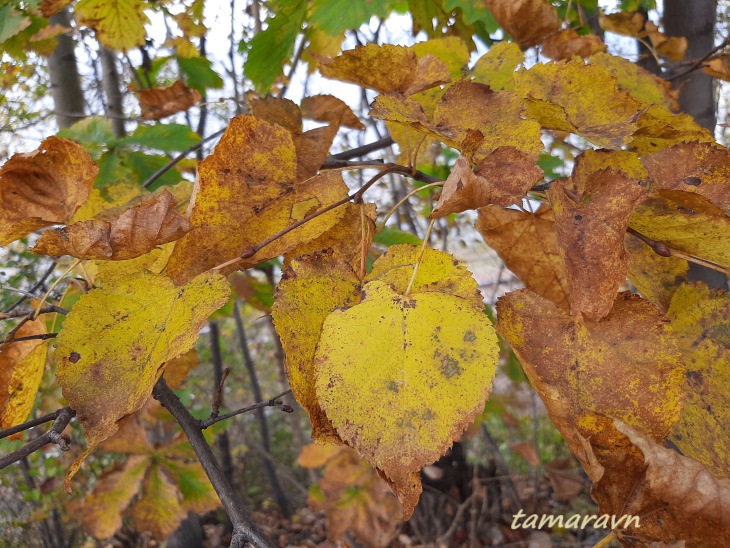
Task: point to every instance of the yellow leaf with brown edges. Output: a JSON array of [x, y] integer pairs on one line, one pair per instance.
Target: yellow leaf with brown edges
[[452, 50], [246, 192], [152, 222], [43, 187], [658, 128], [502, 178], [528, 245], [567, 43], [51, 7], [310, 289], [21, 370], [158, 103], [107, 368], [528, 22], [701, 323], [591, 237]]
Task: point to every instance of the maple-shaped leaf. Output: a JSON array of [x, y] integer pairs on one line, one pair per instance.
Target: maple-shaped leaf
[[701, 322], [21, 370], [352, 494], [247, 191], [502, 178], [327, 108], [701, 168], [656, 277], [567, 43], [496, 67], [43, 187], [349, 239], [107, 368], [152, 222], [528, 245], [591, 237], [402, 403], [526, 21], [119, 24], [310, 290], [158, 103], [687, 223]]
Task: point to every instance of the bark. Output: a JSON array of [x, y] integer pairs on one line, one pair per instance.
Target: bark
[[68, 97], [696, 21], [112, 91]]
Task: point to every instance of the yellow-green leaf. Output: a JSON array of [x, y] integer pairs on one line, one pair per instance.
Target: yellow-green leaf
[[119, 24], [160, 509]]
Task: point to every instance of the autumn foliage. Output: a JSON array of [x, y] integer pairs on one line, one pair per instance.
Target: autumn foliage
[[392, 355]]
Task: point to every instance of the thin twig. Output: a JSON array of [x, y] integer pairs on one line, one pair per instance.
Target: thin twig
[[35, 287], [698, 62], [244, 529], [177, 159], [34, 422], [660, 248], [52, 436], [50, 308], [443, 539], [273, 402], [219, 395], [42, 337], [358, 152]]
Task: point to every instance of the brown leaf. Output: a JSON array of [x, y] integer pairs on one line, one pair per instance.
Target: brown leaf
[[701, 168], [526, 450], [628, 23], [718, 66], [278, 111], [154, 221], [51, 7], [671, 47], [327, 108], [591, 237], [526, 21], [565, 479], [502, 178], [43, 187], [158, 103], [528, 245], [566, 43]]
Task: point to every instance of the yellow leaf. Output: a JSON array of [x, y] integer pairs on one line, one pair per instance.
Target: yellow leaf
[[718, 66], [177, 369], [657, 128], [403, 401], [101, 510], [593, 160], [496, 67], [310, 289], [701, 324], [102, 202], [107, 368], [21, 370], [452, 50], [247, 191], [159, 510], [119, 24]]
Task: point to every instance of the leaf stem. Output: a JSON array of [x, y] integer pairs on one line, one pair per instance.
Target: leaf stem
[[420, 257], [76, 263], [403, 200]]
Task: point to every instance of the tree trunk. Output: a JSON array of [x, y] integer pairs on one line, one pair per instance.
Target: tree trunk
[[112, 91], [68, 97], [696, 21]]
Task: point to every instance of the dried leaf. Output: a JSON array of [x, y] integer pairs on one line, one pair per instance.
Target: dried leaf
[[528, 245], [673, 48], [326, 108], [567, 43], [718, 66], [177, 369], [528, 22], [628, 23], [158, 103], [52, 7], [43, 187]]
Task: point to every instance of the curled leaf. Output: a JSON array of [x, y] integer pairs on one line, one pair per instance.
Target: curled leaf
[[158, 103]]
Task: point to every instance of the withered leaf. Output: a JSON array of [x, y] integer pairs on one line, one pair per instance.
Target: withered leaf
[[327, 108], [158, 103], [526, 21], [567, 43]]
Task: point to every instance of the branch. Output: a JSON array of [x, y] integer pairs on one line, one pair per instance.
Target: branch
[[52, 436], [701, 60], [177, 159], [42, 337], [243, 529], [31, 312], [358, 152], [34, 422], [35, 287], [273, 402]]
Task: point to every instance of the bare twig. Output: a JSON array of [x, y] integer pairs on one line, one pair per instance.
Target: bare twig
[[50, 308], [358, 152], [244, 529], [52, 436], [34, 422], [35, 287], [698, 62], [218, 395], [273, 402], [42, 337], [177, 159]]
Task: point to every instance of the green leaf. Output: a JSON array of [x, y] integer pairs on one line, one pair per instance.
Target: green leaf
[[112, 170], [271, 48], [144, 165], [94, 134], [393, 236], [473, 12], [334, 16], [164, 137], [199, 74], [11, 22]]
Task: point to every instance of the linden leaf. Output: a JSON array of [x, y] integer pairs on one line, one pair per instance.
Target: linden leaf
[[154, 221], [326, 108], [528, 245], [701, 325], [526, 21], [567, 43], [627, 366], [245, 193], [695, 228], [591, 237], [107, 368], [43, 187], [718, 66], [402, 402], [656, 277], [158, 103], [119, 24], [21, 370], [502, 178], [701, 168], [496, 67], [310, 289], [159, 509]]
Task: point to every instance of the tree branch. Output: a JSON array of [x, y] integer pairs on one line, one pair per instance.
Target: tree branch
[[273, 402], [49, 308], [694, 66], [243, 529], [35, 287], [358, 152], [52, 436], [42, 337], [34, 422]]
